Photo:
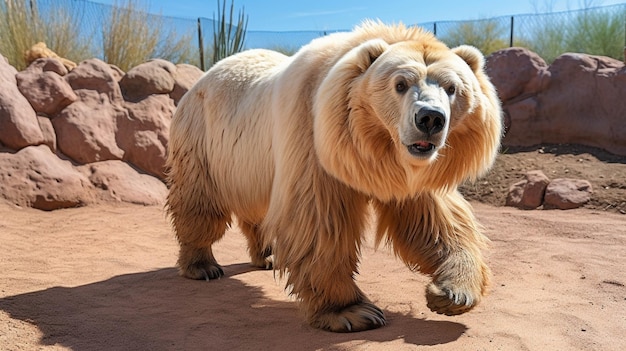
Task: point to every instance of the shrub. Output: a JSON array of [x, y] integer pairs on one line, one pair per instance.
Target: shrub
[[132, 36], [486, 35], [22, 25], [591, 31]]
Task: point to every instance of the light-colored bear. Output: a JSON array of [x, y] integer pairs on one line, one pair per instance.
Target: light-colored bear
[[298, 148]]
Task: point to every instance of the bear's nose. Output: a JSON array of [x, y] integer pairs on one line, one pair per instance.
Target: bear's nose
[[430, 120]]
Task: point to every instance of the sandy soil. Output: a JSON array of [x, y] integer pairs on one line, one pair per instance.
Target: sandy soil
[[103, 278]]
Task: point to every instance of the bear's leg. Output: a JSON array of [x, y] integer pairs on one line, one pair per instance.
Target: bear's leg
[[260, 254], [198, 219], [195, 258], [328, 295], [438, 235], [320, 252]]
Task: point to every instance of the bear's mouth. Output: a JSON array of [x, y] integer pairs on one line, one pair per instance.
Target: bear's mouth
[[421, 148]]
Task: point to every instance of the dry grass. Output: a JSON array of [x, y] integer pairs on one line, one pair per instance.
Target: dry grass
[[130, 35], [22, 25], [133, 36]]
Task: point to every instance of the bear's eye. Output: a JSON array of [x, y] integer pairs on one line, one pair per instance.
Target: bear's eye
[[401, 87], [451, 90]]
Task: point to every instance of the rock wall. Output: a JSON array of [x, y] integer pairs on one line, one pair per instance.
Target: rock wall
[[93, 134], [578, 99], [99, 134]]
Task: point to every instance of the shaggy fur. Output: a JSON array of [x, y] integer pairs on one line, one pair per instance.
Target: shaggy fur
[[298, 147]]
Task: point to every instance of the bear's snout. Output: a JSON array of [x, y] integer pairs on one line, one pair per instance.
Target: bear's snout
[[430, 120]]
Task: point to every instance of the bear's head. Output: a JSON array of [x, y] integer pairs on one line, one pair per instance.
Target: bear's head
[[409, 116]]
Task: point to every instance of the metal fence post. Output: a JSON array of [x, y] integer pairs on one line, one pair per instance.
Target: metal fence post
[[435, 28], [512, 26], [200, 45]]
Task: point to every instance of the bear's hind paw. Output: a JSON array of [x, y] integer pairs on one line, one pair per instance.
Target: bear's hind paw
[[264, 263], [358, 317], [269, 262], [201, 271]]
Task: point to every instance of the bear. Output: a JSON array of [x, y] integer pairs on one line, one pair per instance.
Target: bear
[[301, 150]]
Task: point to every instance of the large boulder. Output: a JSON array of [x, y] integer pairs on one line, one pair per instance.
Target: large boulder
[[584, 103], [578, 99], [152, 77], [36, 177], [144, 134], [95, 75], [184, 78], [117, 181], [47, 92], [516, 72], [86, 129], [18, 121], [48, 64], [519, 75]]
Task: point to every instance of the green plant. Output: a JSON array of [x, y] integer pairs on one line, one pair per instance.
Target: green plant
[[132, 36], [22, 25], [228, 38], [590, 31], [486, 35], [598, 32]]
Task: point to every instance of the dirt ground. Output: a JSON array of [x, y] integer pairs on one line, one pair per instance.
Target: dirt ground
[[606, 173], [103, 278]]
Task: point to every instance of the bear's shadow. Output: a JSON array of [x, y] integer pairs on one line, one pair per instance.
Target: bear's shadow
[[158, 310]]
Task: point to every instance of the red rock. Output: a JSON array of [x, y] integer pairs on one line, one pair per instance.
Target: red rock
[[18, 122], [152, 77], [148, 153], [564, 194], [118, 74], [47, 92], [49, 135], [86, 129], [36, 177], [144, 134], [47, 64], [95, 75], [118, 181], [184, 78], [529, 193], [519, 116], [7, 72], [515, 71], [584, 103], [576, 100]]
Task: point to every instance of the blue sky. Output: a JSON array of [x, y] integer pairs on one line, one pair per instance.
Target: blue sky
[[290, 15]]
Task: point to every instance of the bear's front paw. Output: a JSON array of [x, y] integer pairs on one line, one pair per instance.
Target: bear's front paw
[[449, 300], [202, 271], [358, 317]]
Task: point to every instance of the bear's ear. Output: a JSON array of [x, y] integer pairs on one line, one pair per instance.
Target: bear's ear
[[365, 54], [471, 55]]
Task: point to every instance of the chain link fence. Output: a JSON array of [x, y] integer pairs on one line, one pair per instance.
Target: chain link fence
[[599, 31]]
